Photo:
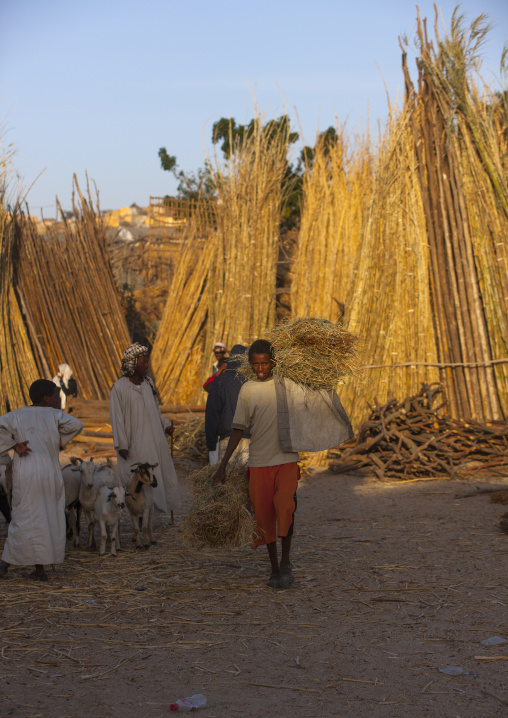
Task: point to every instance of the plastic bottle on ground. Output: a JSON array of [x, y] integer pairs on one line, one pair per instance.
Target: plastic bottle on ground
[[189, 704]]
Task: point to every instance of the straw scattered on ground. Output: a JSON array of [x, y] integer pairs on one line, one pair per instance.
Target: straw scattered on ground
[[218, 516], [378, 568]]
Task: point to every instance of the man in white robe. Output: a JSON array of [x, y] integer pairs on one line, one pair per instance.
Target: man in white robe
[[65, 383], [36, 533], [139, 428]]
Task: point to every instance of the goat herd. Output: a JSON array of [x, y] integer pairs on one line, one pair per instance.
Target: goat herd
[[96, 491]]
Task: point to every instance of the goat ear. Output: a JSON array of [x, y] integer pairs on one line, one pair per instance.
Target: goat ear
[[75, 460], [128, 493], [154, 466], [91, 459]]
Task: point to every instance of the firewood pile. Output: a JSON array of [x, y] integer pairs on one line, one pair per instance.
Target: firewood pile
[[415, 439]]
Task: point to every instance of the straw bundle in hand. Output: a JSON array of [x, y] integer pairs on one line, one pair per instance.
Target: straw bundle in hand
[[218, 516], [312, 351]]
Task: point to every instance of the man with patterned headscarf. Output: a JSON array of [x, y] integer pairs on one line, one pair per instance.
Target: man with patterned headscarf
[[139, 428]]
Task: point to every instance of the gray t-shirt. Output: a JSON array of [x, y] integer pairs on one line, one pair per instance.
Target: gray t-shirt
[[257, 407]]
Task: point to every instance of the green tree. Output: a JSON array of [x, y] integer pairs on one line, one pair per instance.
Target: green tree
[[231, 135], [192, 185]]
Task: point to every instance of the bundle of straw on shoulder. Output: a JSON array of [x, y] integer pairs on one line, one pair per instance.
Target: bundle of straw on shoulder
[[218, 516], [312, 351]]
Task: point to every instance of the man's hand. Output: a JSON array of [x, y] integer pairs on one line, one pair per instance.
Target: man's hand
[[124, 453], [169, 430], [219, 476], [22, 449], [234, 440]]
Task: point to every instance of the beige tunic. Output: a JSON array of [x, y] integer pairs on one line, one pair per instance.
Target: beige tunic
[[37, 529], [257, 408], [138, 426]]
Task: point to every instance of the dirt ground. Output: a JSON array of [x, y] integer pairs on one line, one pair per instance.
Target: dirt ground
[[392, 583]]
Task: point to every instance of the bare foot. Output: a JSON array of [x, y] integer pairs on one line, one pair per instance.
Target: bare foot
[[274, 581], [286, 577], [36, 576]]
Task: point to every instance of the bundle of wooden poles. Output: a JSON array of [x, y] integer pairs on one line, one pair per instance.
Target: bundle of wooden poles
[[59, 304], [404, 239], [419, 268], [224, 283], [17, 365], [17, 362], [414, 439]]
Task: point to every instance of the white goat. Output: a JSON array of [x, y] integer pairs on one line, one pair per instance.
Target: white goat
[[88, 491], [139, 500], [105, 476], [82, 481], [72, 483], [107, 508]]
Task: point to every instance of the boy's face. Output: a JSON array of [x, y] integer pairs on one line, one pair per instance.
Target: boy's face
[[219, 352], [53, 400], [262, 365]]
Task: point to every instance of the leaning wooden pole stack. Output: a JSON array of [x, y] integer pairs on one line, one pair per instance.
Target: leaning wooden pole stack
[[248, 211], [178, 351], [225, 279], [390, 307], [337, 190], [68, 294], [17, 363], [452, 138]]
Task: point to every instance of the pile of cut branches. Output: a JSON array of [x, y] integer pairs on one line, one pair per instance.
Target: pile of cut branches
[[416, 439]]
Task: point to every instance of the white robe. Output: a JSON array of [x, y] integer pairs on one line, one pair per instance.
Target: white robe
[[37, 529], [66, 373], [138, 426]]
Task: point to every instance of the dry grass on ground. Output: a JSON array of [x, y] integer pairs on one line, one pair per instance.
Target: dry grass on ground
[[393, 582]]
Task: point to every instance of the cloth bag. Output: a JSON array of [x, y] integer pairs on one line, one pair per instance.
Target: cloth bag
[[309, 419]]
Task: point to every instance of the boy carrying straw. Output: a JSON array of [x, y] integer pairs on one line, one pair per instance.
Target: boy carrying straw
[[273, 473], [36, 534]]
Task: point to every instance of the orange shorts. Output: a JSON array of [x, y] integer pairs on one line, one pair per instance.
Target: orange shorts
[[272, 492]]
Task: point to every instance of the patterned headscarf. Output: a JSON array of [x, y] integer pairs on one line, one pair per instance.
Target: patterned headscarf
[[130, 358]]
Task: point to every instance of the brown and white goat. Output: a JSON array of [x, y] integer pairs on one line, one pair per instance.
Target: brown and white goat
[[139, 500]]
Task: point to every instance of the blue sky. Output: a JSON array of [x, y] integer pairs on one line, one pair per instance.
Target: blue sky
[[99, 86]]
